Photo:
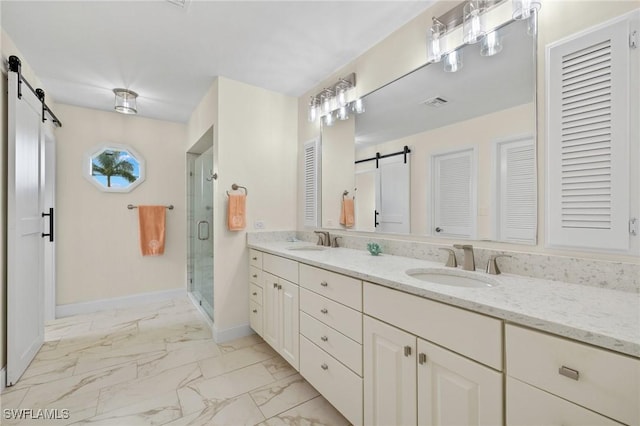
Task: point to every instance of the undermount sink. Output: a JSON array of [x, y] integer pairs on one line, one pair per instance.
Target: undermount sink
[[307, 248], [452, 277]]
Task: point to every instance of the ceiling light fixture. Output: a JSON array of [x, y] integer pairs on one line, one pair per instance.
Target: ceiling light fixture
[[125, 101], [453, 61], [338, 98], [491, 44]]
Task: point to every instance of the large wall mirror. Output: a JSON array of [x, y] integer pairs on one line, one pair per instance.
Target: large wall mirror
[[451, 154]]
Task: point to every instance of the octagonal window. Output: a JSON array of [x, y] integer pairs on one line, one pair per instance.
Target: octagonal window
[[114, 168]]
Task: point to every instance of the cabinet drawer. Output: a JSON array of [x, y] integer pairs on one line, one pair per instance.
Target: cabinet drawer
[[342, 318], [255, 275], [255, 294], [255, 258], [529, 406], [474, 335], [340, 288], [280, 267], [339, 385], [336, 344], [255, 317], [603, 381]]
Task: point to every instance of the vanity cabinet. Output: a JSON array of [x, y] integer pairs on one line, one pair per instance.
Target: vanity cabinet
[[543, 368], [279, 323], [331, 338], [409, 378]]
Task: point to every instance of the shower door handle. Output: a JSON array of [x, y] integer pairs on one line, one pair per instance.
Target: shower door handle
[[201, 233]]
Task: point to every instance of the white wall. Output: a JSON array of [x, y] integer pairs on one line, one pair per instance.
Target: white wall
[[405, 50], [255, 146], [98, 251]]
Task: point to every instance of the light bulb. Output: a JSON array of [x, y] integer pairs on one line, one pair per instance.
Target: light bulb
[[341, 96], [326, 104], [329, 120], [343, 113], [313, 110]]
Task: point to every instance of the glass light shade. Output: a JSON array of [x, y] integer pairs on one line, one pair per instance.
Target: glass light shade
[[453, 61], [522, 9], [532, 23], [343, 113], [326, 104], [313, 109], [434, 48], [341, 96], [491, 44], [329, 120], [472, 23], [357, 106], [125, 101]]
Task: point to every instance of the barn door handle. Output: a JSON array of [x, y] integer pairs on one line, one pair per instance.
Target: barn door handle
[[50, 234]]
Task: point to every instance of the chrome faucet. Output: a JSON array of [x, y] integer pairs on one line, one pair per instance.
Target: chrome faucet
[[469, 263], [451, 260], [324, 239], [335, 241]]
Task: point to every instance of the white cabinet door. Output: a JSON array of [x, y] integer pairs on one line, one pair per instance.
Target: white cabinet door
[[453, 390], [289, 322], [389, 375], [270, 324]]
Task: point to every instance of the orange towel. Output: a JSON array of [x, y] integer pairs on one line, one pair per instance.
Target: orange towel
[[152, 229], [236, 212], [347, 217]]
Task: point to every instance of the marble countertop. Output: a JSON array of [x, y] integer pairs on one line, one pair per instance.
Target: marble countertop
[[606, 318]]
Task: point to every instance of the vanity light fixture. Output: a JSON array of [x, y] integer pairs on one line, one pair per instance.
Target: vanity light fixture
[[491, 44], [125, 101], [335, 101], [453, 61], [472, 21], [476, 21]]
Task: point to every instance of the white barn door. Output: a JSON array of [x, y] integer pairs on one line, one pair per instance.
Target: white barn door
[[25, 275]]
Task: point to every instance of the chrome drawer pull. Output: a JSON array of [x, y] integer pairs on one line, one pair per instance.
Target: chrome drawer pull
[[324, 366], [255, 311], [324, 284], [254, 293], [569, 372], [324, 311], [254, 258], [255, 275], [324, 338], [422, 358], [407, 351]]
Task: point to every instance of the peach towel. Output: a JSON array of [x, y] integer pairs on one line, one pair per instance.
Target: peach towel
[[347, 217], [236, 212], [152, 229]]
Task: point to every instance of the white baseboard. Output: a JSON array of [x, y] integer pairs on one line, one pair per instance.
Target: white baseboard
[[117, 302], [221, 336], [3, 378]]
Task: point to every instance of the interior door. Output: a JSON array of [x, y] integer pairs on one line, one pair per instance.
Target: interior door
[[394, 190], [25, 288], [48, 172]]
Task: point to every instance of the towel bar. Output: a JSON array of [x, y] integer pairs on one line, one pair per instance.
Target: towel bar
[[131, 207], [235, 187]]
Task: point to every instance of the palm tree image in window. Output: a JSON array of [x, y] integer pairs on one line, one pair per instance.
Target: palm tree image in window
[[114, 168]]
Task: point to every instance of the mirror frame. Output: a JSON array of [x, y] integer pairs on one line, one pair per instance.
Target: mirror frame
[[87, 166]]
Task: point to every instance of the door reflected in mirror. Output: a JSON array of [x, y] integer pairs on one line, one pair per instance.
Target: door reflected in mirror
[[485, 106]]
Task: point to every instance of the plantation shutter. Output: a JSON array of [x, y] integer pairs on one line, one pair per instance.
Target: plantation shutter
[[517, 191], [311, 167], [454, 194], [588, 140]]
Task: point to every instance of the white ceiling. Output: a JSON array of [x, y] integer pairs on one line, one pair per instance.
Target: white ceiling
[[81, 50]]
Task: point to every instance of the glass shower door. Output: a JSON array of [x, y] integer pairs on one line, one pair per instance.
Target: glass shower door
[[202, 226]]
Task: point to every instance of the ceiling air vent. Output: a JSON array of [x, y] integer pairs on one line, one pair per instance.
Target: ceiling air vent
[[435, 102]]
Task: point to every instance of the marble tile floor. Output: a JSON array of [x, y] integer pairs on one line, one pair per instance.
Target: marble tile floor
[[158, 365]]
